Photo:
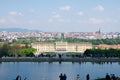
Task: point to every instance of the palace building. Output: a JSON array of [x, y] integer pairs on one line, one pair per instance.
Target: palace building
[[61, 46]]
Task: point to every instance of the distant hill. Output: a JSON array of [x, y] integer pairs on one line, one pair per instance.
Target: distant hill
[[17, 30]]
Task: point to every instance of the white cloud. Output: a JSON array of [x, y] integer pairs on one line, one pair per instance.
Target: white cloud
[[95, 21], [32, 22], [31, 10], [99, 8], [80, 13], [98, 21], [64, 20], [2, 21], [12, 20], [20, 14], [8, 20], [14, 13], [101, 21], [65, 8], [50, 20], [56, 16]]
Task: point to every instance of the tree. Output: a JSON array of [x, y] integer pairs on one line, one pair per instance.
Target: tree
[[4, 50], [27, 51], [14, 51], [103, 52]]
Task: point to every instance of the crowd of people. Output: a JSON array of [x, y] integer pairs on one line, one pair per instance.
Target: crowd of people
[[64, 77], [111, 77], [107, 77]]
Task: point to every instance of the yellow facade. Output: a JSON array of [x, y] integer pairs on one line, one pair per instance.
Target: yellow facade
[[61, 46]]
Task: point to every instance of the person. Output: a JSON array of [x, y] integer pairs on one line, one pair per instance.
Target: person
[[25, 78], [107, 77], [87, 77], [117, 78], [18, 77], [59, 55], [78, 77], [64, 77], [113, 77], [61, 76]]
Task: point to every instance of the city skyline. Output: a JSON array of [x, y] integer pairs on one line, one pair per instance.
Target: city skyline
[[61, 15]]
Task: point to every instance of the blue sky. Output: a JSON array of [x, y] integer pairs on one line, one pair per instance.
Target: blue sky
[[61, 15]]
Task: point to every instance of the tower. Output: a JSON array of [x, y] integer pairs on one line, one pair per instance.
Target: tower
[[99, 32], [62, 37]]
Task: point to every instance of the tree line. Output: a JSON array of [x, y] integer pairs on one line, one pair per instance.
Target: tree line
[[102, 53], [16, 51], [26, 51], [93, 41]]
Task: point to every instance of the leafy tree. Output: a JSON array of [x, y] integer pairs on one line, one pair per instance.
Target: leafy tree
[[14, 51], [102, 53], [27, 51], [4, 50]]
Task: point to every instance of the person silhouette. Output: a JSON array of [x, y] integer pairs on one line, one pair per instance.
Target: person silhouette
[[25, 78], [87, 77], [78, 77], [18, 77], [107, 77], [64, 77], [61, 76]]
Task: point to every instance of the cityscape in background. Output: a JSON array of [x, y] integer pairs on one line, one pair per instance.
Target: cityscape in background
[[41, 36], [48, 41]]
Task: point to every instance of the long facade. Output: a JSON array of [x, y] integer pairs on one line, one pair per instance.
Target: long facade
[[61, 46]]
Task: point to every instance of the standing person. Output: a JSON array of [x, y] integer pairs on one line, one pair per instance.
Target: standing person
[[87, 77], [59, 55], [61, 76], [113, 77], [64, 77], [25, 78], [107, 77], [18, 77], [78, 77]]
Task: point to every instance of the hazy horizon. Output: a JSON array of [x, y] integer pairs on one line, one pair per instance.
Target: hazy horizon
[[61, 15]]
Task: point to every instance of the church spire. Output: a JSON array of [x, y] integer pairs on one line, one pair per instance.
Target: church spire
[[99, 31]]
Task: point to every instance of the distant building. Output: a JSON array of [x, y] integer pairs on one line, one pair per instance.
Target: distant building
[[106, 46], [98, 32], [20, 45], [61, 46]]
